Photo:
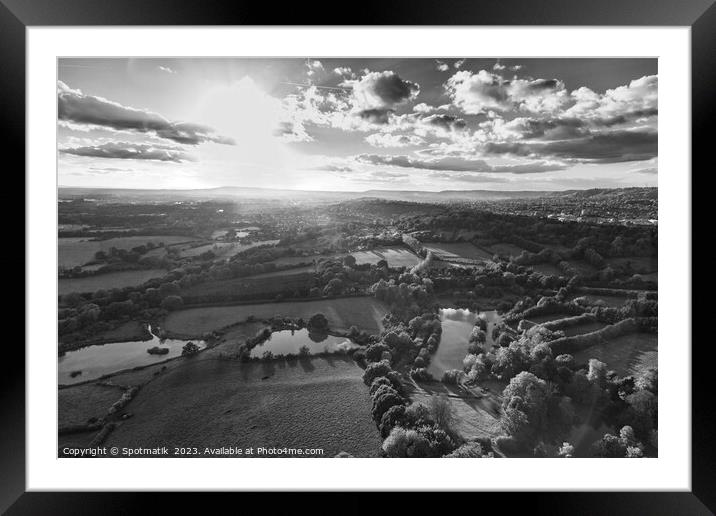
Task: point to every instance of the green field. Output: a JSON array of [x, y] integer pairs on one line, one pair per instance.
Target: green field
[[547, 269], [314, 403], [363, 312], [506, 249], [77, 404], [627, 354], [78, 251], [256, 288], [455, 250], [119, 279], [222, 249], [395, 256]]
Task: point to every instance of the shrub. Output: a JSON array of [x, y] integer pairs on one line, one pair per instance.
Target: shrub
[[421, 374], [566, 450], [453, 377], [470, 450], [189, 349]]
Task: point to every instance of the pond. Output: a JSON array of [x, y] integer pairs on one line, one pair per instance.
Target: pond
[[286, 342], [457, 324], [99, 360]]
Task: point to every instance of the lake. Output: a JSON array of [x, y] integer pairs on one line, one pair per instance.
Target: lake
[[457, 324], [286, 342], [99, 360]]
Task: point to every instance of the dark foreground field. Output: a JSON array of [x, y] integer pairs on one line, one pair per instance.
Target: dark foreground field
[[313, 403]]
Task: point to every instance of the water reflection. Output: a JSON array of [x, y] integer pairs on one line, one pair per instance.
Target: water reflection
[[95, 361]]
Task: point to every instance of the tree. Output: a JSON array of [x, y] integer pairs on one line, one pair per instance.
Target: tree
[[566, 450], [333, 288], [349, 261], [172, 303], [374, 370], [383, 401], [405, 443], [318, 323], [470, 450], [374, 352], [441, 411], [391, 418], [526, 400]]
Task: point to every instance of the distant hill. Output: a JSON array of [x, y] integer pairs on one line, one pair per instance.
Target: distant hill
[[237, 192]]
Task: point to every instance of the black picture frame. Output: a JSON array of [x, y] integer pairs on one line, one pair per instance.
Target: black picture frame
[[17, 15]]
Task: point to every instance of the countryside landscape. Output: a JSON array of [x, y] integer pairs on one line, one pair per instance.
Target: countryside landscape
[[440, 302]]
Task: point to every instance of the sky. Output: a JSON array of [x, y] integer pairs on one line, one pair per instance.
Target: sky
[[357, 124]]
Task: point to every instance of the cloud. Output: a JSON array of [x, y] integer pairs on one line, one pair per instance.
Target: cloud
[[478, 93], [499, 67], [393, 140], [314, 67], [445, 122], [380, 92], [458, 164], [334, 168], [640, 95], [458, 64], [651, 171], [76, 108], [440, 66], [127, 150], [345, 72], [166, 69], [469, 178], [611, 147]]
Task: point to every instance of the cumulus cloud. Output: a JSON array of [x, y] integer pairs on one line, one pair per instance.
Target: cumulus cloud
[[478, 93], [393, 140], [128, 150], [440, 66], [639, 96], [314, 67], [345, 72], [458, 64], [375, 95], [77, 109], [166, 69], [458, 164]]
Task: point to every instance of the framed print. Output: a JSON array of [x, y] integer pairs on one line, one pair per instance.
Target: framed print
[[262, 243]]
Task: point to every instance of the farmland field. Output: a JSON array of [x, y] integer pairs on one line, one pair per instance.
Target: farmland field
[[506, 249], [78, 251], [395, 256], [223, 249], [119, 279], [266, 287], [364, 312], [299, 260], [316, 403], [78, 404], [642, 265], [628, 354], [547, 269], [285, 272], [455, 250]]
